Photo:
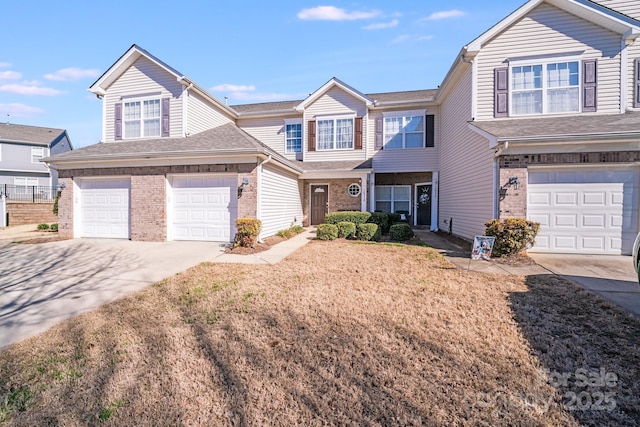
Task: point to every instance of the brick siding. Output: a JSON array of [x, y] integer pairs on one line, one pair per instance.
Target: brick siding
[[30, 213], [148, 210], [65, 209]]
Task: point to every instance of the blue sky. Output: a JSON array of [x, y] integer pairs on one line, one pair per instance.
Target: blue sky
[[249, 51]]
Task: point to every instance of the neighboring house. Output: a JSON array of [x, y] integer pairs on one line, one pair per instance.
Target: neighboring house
[[538, 118], [21, 150]]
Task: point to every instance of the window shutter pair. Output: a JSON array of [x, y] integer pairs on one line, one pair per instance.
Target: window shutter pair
[[379, 142], [501, 92], [165, 119], [311, 146]]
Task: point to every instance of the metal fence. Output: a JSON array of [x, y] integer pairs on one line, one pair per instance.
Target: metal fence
[[28, 193]]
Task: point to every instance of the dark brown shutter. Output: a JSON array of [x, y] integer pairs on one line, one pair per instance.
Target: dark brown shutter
[[501, 89], [118, 120], [589, 86], [312, 136], [165, 116], [379, 136], [429, 123], [636, 84], [358, 136]]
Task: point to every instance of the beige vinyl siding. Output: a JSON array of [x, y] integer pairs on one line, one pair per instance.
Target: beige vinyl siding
[[269, 131], [335, 102], [144, 78], [404, 160], [548, 30], [633, 53], [466, 166], [203, 115], [280, 201], [628, 7]]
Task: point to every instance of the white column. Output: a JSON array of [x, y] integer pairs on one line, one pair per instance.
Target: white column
[[372, 192], [363, 195], [434, 201], [3, 211]]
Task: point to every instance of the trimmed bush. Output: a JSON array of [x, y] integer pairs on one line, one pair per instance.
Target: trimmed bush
[[368, 231], [346, 230], [400, 232], [327, 232], [297, 229], [54, 226], [355, 217], [512, 235], [247, 232], [43, 226], [381, 219], [394, 217]]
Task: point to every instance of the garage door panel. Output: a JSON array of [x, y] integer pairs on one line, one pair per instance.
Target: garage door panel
[[605, 210], [104, 208], [203, 208]]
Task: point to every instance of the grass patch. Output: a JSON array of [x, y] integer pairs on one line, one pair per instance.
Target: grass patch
[[336, 334]]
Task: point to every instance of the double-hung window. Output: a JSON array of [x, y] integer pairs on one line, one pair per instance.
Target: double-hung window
[[406, 130], [336, 133], [393, 198], [37, 153], [546, 87], [142, 118], [293, 136]]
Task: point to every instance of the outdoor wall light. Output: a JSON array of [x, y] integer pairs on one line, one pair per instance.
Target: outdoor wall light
[[245, 182], [515, 182]]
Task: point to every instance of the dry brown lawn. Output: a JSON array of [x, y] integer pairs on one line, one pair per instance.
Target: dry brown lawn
[[339, 333]]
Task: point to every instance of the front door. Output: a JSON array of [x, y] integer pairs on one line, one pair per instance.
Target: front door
[[319, 200], [423, 202]]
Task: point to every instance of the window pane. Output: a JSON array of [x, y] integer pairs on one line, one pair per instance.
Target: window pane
[[344, 134], [383, 206], [414, 140], [325, 135], [401, 206], [394, 141], [402, 193], [563, 100], [527, 102], [383, 192], [294, 138], [152, 109], [132, 129], [132, 111], [152, 127], [414, 124]]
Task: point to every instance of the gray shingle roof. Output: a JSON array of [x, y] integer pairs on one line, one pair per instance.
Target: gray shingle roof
[[341, 166], [266, 107], [569, 126], [32, 134], [227, 138]]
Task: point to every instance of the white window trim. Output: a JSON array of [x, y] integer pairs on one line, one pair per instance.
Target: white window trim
[[40, 149], [0, 152], [544, 62], [335, 129], [293, 122], [409, 113], [126, 100], [359, 189]]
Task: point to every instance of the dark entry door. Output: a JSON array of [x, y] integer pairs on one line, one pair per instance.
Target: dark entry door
[[423, 214], [319, 199]]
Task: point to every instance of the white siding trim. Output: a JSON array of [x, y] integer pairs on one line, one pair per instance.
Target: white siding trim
[[624, 57]]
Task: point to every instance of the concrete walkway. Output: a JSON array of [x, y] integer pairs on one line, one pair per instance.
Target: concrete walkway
[[610, 276]]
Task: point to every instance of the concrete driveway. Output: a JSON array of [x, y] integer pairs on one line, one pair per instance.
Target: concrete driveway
[[44, 284], [610, 276]]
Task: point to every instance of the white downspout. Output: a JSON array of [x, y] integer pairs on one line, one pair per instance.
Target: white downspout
[[623, 75]]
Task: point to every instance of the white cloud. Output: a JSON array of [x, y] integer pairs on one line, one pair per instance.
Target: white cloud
[[5, 65], [382, 25], [72, 73], [10, 75], [445, 14], [28, 88], [226, 87], [332, 13], [18, 110]]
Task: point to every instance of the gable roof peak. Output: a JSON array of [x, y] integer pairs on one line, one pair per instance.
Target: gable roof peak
[[333, 82]]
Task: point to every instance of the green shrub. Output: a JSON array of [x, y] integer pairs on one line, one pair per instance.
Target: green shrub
[[512, 235], [346, 230], [394, 217], [247, 232], [297, 229], [55, 204], [285, 234], [369, 231], [54, 226], [355, 217], [327, 232], [400, 232], [382, 219], [43, 226]]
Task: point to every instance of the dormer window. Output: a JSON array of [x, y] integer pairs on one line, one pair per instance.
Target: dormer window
[[142, 119], [335, 133]]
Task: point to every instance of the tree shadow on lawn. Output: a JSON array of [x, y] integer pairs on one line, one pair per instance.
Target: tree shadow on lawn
[[589, 347]]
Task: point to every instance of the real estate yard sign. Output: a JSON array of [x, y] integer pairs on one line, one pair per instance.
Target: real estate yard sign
[[482, 247]]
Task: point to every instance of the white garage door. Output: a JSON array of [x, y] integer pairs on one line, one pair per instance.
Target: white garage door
[[104, 208], [204, 207], [584, 210]]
